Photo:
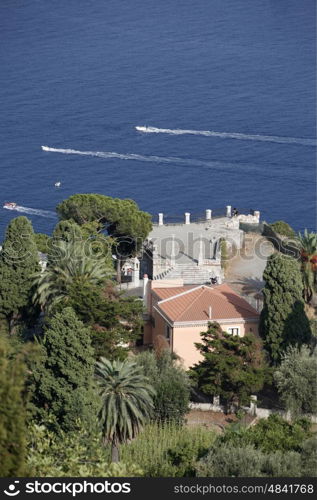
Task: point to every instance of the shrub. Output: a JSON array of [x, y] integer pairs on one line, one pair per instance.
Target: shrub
[[270, 435], [229, 460], [72, 454], [170, 382], [282, 228], [167, 450], [279, 464], [309, 457], [296, 380]]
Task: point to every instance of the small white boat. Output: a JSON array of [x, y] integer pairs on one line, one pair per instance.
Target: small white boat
[[10, 205], [57, 184]]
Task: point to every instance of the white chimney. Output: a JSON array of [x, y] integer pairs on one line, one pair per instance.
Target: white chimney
[[209, 312]]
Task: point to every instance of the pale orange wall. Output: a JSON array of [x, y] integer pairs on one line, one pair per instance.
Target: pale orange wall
[[184, 339], [160, 325], [147, 333]]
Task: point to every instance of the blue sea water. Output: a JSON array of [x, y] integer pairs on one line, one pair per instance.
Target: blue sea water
[[82, 74]]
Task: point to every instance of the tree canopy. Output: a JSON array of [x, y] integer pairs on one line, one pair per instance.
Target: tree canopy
[[63, 381], [69, 264], [121, 219], [170, 382], [19, 260], [283, 319], [296, 380], [127, 401], [13, 414], [115, 321], [308, 255], [232, 366]]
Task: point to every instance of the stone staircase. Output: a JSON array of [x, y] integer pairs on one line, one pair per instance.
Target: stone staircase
[[190, 274], [163, 274]]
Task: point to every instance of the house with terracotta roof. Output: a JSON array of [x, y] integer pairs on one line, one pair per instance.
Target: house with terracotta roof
[[180, 313]]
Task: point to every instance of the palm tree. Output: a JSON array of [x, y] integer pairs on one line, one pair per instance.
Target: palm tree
[[67, 265], [127, 401], [308, 254]]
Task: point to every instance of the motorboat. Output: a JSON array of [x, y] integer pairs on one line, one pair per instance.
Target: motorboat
[[10, 205], [57, 184]]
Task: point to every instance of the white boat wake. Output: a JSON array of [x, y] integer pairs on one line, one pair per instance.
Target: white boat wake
[[150, 158], [33, 211], [232, 168], [229, 135]]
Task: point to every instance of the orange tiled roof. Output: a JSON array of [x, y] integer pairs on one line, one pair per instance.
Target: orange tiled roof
[[165, 293], [184, 304]]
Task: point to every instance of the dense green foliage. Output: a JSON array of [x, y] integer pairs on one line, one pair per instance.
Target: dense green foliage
[[63, 380], [50, 399], [12, 412], [271, 434], [70, 264], [127, 401], [115, 321], [19, 261], [168, 450], [93, 241], [68, 231], [283, 228], [122, 219], [42, 242], [283, 318], [296, 380], [78, 453], [170, 382], [232, 366], [160, 450], [245, 461], [272, 448]]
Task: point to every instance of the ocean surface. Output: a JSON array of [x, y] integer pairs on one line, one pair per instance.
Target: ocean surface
[[226, 89]]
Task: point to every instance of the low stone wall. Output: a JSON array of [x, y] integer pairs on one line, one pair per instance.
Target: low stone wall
[[252, 410], [206, 407], [249, 219]]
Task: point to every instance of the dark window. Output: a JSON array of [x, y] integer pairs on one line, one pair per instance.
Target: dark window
[[168, 332]]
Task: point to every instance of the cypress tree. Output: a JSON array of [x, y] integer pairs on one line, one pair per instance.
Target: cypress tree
[[63, 381], [232, 366], [12, 413], [19, 261], [283, 319]]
